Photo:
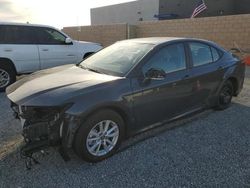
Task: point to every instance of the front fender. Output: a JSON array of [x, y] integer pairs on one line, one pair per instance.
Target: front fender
[[88, 104], [107, 97]]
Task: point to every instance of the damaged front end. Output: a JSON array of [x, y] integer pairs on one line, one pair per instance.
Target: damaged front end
[[43, 127]]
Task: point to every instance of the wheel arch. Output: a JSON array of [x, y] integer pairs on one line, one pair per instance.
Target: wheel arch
[[8, 62], [235, 84], [121, 111], [124, 115]]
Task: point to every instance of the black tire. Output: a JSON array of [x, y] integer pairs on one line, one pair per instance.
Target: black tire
[[225, 96], [9, 72], [80, 141]]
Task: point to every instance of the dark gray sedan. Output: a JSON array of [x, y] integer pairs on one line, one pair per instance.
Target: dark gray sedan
[[126, 88]]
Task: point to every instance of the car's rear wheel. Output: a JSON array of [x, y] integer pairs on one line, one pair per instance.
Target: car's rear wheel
[[99, 136], [225, 96], [7, 76]]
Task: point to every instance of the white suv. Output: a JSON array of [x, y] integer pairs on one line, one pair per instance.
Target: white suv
[[25, 48]]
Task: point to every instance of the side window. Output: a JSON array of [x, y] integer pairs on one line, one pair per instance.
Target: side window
[[170, 58], [49, 36], [201, 53], [215, 53], [16, 35]]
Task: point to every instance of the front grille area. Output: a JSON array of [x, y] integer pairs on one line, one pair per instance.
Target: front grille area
[[41, 123], [36, 114], [37, 131], [41, 131]]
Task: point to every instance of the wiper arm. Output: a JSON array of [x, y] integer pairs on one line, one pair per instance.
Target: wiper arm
[[81, 66], [90, 69], [94, 70]]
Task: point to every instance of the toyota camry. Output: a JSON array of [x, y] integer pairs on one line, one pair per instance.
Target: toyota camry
[[124, 89]]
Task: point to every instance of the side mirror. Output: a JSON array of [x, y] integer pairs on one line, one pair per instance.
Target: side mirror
[[68, 41], [155, 74]]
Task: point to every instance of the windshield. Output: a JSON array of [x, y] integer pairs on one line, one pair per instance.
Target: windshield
[[117, 59]]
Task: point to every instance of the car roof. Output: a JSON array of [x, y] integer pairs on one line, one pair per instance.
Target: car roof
[[162, 40], [25, 24], [154, 40]]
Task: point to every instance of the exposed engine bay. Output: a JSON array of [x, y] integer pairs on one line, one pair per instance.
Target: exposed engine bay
[[41, 128]]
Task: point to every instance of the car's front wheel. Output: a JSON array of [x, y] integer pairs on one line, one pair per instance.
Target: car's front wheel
[[99, 136], [225, 96]]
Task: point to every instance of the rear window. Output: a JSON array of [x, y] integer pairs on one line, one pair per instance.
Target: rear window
[[216, 54], [11, 34], [201, 53]]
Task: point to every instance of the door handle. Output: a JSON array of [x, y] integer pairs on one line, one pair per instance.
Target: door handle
[[45, 50], [8, 50], [186, 76], [220, 68], [174, 84]]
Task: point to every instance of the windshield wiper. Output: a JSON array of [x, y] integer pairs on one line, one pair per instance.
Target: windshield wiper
[[90, 69]]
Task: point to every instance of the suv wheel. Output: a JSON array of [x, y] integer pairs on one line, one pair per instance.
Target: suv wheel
[[225, 96], [99, 136], [7, 76]]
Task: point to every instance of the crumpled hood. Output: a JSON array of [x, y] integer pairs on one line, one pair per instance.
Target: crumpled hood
[[54, 85]]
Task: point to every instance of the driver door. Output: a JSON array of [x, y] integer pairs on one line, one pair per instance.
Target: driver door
[[160, 99]]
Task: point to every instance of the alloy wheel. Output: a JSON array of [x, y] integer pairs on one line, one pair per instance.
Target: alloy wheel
[[102, 138], [226, 95], [4, 78]]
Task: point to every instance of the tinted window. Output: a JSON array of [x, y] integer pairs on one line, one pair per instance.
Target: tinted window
[[215, 53], [1, 34], [171, 58], [16, 35], [201, 53], [49, 36]]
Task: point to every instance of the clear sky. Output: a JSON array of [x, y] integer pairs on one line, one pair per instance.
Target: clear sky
[[57, 13]]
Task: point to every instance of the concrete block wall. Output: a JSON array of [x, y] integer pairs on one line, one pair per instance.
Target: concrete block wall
[[103, 34], [224, 30]]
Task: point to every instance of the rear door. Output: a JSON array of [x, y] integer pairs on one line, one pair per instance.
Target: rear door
[[52, 48], [17, 43], [207, 72]]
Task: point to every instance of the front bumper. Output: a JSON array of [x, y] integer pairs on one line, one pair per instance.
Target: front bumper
[[43, 127], [46, 126]]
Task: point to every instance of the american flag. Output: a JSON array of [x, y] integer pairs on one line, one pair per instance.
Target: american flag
[[201, 6]]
